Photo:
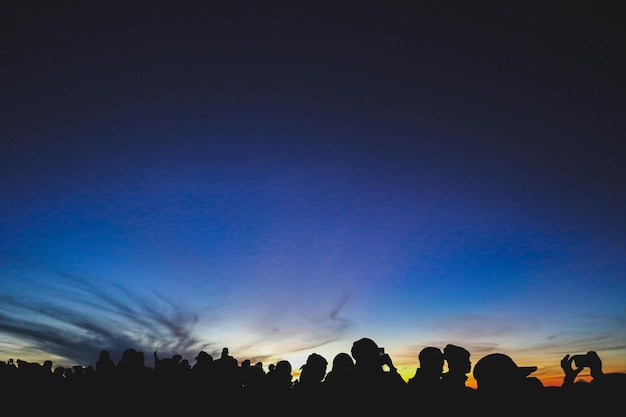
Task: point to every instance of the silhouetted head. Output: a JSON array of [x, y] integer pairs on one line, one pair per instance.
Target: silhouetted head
[[365, 351], [499, 371], [314, 369], [431, 359], [282, 373], [203, 357], [316, 360], [130, 359], [342, 360], [283, 367], [458, 358]]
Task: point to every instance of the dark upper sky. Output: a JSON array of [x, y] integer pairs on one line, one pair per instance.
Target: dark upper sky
[[496, 83]]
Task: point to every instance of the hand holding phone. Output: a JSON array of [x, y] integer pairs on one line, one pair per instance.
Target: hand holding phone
[[580, 361]]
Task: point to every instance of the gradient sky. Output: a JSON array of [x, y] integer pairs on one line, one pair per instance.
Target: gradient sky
[[285, 179]]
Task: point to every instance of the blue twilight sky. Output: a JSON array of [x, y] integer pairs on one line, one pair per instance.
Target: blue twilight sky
[[283, 179]]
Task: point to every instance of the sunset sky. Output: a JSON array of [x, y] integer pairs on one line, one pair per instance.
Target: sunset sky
[[283, 178]]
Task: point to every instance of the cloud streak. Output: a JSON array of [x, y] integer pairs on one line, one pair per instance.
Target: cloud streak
[[73, 317]]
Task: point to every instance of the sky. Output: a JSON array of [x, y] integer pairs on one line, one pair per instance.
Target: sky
[[284, 178]]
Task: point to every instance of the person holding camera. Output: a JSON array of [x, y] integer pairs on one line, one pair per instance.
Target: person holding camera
[[372, 385], [605, 391]]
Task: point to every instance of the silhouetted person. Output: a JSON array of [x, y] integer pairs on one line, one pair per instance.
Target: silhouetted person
[[105, 374], [60, 389], [453, 382], [58, 373], [170, 381], [104, 364], [337, 383], [312, 373], [310, 385], [204, 363], [202, 375], [426, 382], [227, 373], [501, 381], [105, 370], [35, 378], [253, 380], [459, 365], [279, 379], [134, 380], [341, 362], [367, 387], [605, 392], [68, 374], [165, 365]]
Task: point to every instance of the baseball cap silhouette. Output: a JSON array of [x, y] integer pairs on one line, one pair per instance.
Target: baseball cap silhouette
[[499, 368]]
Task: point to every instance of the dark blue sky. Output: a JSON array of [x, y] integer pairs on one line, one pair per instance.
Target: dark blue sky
[[287, 178]]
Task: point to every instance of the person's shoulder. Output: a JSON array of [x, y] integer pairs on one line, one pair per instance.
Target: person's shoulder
[[613, 380], [613, 376]]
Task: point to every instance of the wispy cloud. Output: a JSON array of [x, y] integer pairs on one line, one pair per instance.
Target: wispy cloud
[[74, 317], [70, 316]]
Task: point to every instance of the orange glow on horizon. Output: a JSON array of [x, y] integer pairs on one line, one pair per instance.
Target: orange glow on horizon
[[548, 380]]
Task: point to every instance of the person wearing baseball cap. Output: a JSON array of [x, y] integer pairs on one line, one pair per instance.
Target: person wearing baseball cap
[[500, 379], [497, 369]]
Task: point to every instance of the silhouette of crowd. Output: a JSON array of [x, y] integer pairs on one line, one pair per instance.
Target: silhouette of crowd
[[363, 380]]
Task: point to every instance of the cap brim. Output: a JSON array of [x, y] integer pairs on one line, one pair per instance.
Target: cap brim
[[527, 370]]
